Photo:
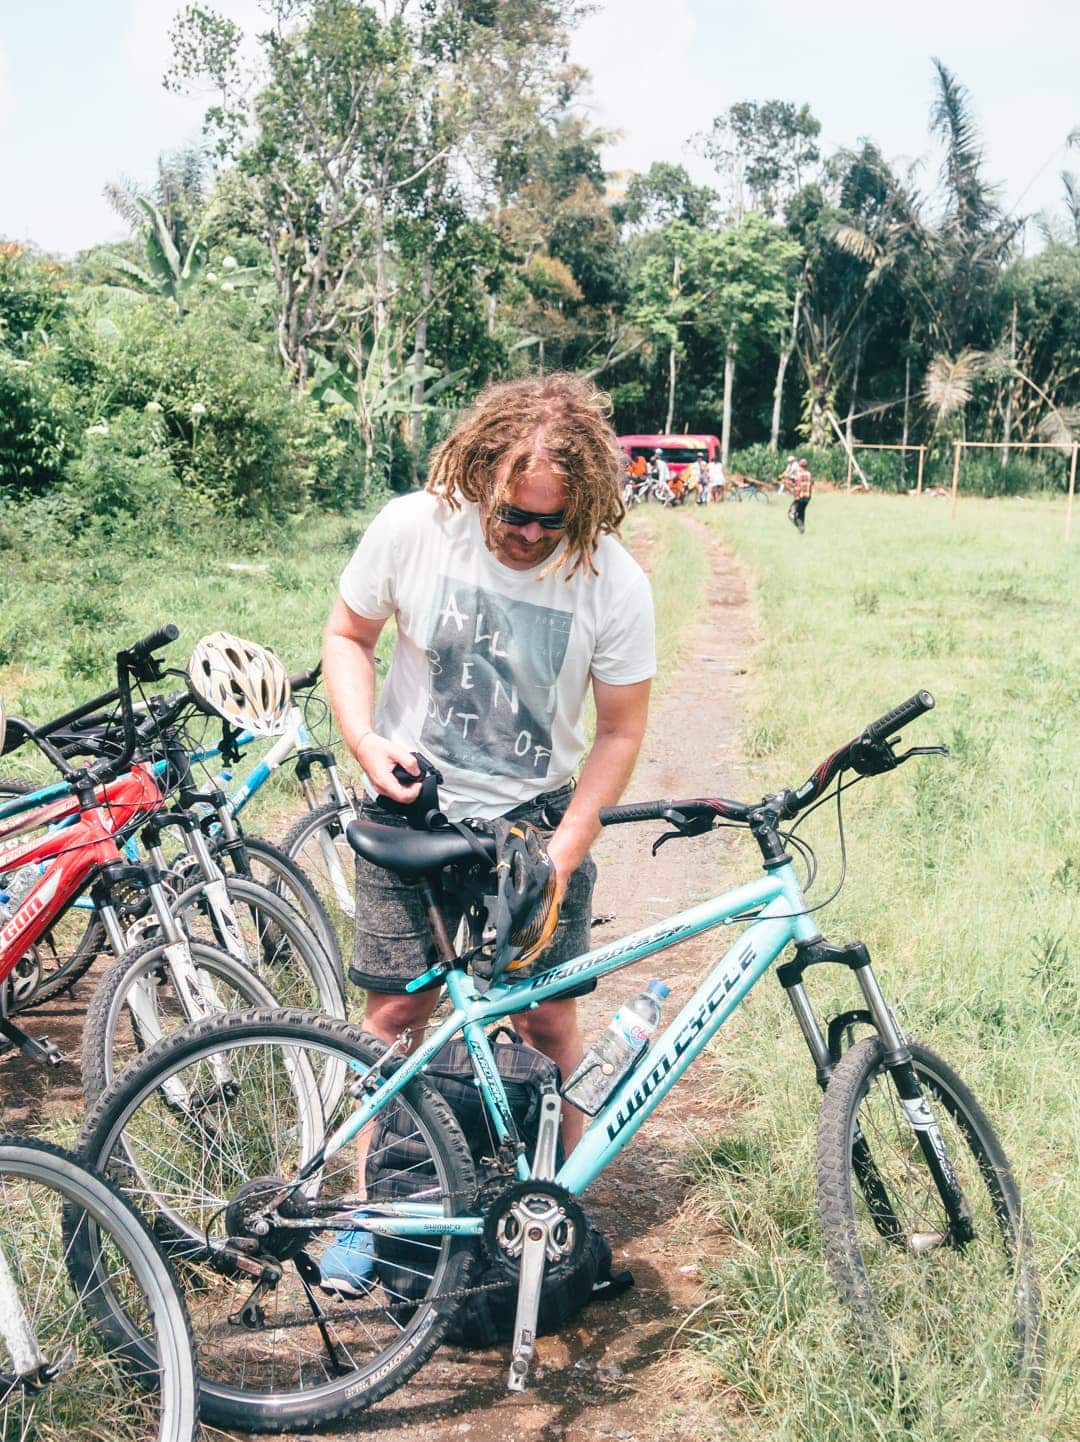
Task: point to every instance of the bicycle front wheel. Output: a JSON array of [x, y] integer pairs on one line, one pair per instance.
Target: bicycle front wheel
[[272, 938], [969, 1309], [143, 998], [94, 1301], [209, 1123]]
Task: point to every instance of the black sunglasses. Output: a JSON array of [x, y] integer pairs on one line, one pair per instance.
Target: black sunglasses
[[512, 516]]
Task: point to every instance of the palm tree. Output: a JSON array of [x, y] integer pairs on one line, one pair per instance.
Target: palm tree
[[974, 235]]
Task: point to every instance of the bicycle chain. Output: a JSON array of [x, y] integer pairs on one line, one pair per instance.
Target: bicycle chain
[[359, 1314], [481, 1196]]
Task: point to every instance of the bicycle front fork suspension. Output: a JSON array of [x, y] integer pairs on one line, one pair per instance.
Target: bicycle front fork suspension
[[897, 1062]]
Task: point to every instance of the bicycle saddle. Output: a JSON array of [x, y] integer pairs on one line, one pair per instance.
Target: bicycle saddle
[[412, 853]]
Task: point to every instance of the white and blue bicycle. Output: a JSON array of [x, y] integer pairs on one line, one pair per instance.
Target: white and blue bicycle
[[223, 1134]]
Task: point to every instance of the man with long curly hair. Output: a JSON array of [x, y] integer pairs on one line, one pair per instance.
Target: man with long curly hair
[[512, 598]]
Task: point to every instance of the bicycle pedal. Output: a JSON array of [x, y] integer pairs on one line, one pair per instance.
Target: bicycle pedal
[[44, 1051]]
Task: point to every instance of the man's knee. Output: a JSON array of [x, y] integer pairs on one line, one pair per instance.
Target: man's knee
[[552, 1022], [387, 1014]]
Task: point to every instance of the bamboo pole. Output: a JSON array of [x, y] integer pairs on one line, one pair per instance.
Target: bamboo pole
[[1072, 493], [922, 458], [955, 482]]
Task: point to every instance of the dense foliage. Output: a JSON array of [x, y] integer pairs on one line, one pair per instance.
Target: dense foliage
[[389, 212]]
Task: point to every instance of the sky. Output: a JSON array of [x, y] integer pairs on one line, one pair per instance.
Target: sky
[[81, 101]]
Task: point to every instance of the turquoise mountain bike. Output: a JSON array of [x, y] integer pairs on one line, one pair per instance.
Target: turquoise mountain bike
[[223, 1135]]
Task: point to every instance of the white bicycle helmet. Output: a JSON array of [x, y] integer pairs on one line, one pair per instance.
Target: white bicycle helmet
[[242, 682]]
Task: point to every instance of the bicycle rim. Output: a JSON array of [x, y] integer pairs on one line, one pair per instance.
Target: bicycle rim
[[274, 940], [101, 1303], [141, 1000], [968, 1312], [191, 1129]]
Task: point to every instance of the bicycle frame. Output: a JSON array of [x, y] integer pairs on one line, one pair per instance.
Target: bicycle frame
[[295, 740], [74, 851], [779, 912]]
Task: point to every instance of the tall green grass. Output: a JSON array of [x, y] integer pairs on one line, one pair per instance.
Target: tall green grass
[[964, 880], [64, 614]]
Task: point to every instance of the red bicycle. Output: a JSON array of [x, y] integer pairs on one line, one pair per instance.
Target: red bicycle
[[45, 874]]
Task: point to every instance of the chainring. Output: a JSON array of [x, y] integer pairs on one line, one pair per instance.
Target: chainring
[[504, 1219]]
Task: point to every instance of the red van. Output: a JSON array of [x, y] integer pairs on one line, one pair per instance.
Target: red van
[[678, 451]]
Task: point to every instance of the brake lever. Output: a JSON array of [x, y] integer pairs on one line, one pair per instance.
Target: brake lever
[[684, 826], [922, 751]]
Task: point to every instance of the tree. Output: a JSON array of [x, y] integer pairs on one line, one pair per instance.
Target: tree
[[669, 291], [166, 271], [764, 151], [974, 236], [750, 270], [179, 196], [334, 147], [731, 283], [665, 192]]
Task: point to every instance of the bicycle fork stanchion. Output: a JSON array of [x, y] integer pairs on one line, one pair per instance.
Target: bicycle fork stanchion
[[538, 1217], [28, 1362], [921, 1119], [900, 1068]]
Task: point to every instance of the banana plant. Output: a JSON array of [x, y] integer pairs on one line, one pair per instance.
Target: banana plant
[[377, 403], [165, 273]]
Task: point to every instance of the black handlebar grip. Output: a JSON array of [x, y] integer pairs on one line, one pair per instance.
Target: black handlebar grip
[[305, 679], [636, 811], [156, 639], [900, 716]]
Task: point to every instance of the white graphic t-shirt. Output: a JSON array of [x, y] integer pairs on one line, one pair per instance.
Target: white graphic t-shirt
[[492, 665]]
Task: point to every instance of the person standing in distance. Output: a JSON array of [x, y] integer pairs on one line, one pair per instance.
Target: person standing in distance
[[803, 490], [512, 598]]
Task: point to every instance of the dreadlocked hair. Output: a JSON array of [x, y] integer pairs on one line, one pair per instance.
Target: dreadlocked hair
[[558, 421]]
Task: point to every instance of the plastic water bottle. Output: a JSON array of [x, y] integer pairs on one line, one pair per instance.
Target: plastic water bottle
[[611, 1057], [16, 886]]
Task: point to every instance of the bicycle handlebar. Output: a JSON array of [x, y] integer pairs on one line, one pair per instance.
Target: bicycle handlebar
[[869, 747], [304, 680]]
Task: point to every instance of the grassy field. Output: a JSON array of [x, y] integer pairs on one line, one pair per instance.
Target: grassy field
[[964, 874], [964, 880]]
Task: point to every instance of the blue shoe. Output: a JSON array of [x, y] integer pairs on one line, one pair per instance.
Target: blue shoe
[[348, 1267]]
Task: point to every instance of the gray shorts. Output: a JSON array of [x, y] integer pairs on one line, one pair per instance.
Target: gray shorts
[[393, 942]]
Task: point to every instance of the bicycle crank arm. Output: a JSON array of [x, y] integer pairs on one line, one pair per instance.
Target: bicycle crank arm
[[531, 1277], [538, 1216]]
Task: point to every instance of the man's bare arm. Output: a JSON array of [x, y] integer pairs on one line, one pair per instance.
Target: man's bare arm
[[349, 672], [621, 716]]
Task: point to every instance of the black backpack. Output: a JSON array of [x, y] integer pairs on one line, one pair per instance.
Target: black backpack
[[398, 1162]]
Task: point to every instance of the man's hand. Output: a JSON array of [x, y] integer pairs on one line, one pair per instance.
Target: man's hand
[[378, 757]]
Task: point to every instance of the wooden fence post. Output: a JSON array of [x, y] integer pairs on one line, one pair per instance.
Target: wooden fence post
[[1072, 493], [955, 483], [918, 483]]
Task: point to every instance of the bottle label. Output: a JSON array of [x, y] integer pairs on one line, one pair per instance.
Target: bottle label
[[636, 1030]]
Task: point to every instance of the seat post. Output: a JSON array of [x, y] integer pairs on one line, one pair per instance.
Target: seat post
[[443, 945]]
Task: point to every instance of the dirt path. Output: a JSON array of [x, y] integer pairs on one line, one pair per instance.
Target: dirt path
[[604, 1376]]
